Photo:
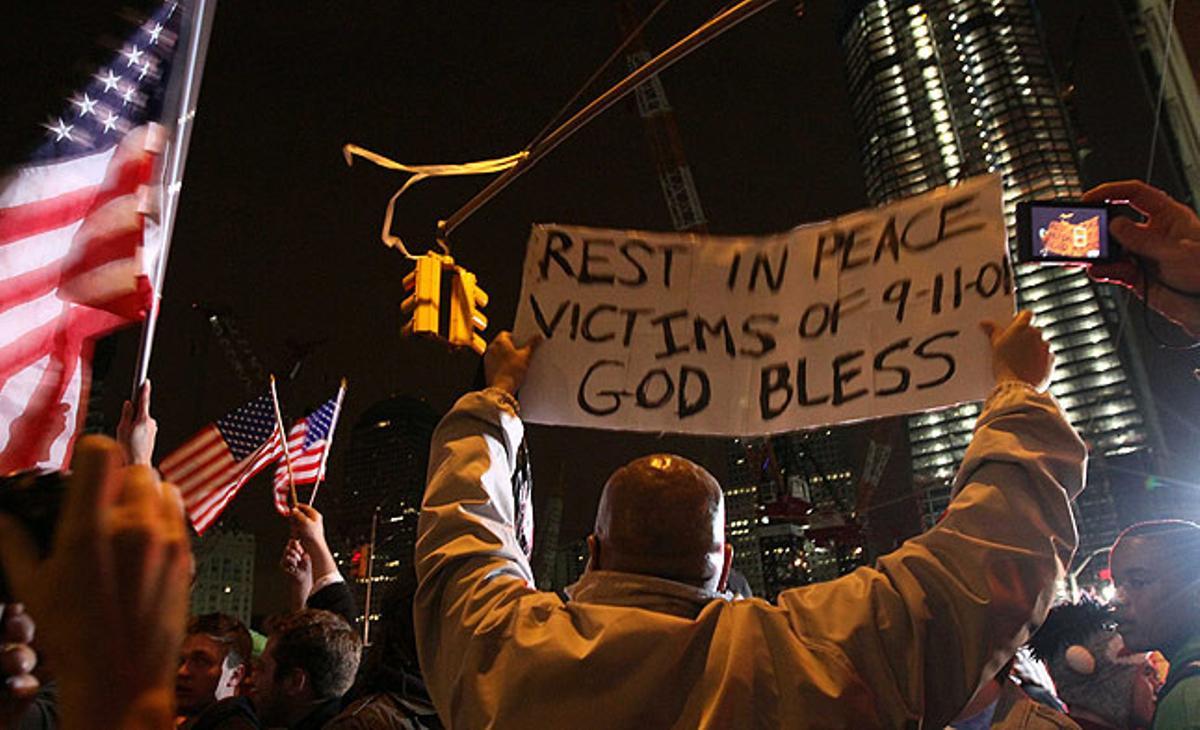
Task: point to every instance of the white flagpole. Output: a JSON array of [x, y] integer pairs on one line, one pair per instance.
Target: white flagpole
[[337, 411], [287, 456], [187, 91]]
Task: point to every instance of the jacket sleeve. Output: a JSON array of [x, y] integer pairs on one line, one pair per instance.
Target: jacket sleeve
[[471, 570], [336, 597], [930, 621]]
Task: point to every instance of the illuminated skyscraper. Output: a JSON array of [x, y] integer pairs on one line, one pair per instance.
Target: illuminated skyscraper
[[943, 90], [384, 470]]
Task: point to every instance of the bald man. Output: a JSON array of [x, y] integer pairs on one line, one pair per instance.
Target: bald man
[[663, 516], [650, 639]]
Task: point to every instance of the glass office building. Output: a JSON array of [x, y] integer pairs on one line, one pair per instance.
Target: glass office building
[[945, 90]]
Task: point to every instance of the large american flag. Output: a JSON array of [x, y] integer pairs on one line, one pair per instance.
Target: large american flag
[[76, 254], [214, 464], [309, 441]]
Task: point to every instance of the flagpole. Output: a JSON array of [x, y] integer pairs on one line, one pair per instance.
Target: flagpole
[[287, 457], [188, 91], [337, 411]]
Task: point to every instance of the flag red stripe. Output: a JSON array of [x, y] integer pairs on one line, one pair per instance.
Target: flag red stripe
[[201, 493], [198, 461], [116, 241], [203, 515], [29, 348], [76, 323], [30, 219], [32, 284], [125, 172], [221, 490], [215, 467], [203, 439]]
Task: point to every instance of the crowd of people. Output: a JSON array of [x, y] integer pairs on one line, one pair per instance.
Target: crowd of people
[[956, 628]]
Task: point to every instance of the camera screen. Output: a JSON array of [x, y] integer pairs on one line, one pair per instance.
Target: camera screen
[[1068, 232]]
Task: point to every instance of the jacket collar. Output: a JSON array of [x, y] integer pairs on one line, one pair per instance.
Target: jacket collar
[[612, 588]]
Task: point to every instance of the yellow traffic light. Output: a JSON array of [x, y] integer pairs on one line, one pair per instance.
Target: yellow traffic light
[[453, 315], [465, 318], [423, 303]]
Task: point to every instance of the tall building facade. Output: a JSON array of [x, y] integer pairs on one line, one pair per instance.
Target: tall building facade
[[943, 90], [224, 573], [1170, 55], [383, 482]]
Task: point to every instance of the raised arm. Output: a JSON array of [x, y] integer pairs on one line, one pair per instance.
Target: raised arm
[[470, 566], [930, 621]]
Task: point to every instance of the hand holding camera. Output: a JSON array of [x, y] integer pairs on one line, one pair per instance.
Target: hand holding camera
[[1167, 244], [1158, 257]]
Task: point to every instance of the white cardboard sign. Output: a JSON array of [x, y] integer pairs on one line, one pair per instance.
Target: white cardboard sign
[[870, 314]]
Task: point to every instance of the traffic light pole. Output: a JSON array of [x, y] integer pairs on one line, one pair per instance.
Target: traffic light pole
[[370, 579]]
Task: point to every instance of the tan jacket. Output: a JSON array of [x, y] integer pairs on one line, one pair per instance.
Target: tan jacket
[[1017, 711], [902, 644]]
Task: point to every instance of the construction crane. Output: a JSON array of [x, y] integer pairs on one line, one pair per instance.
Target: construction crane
[[237, 350], [662, 130]]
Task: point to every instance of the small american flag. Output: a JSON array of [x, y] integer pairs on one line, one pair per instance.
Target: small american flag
[[309, 442], [76, 253], [214, 464]]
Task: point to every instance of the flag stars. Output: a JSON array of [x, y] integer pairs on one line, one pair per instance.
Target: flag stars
[[86, 104], [129, 95], [133, 55], [109, 79], [144, 69], [154, 33], [110, 122], [61, 130]]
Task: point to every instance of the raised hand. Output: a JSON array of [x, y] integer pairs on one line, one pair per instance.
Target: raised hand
[[1019, 352], [297, 566], [137, 430], [505, 364], [1168, 244]]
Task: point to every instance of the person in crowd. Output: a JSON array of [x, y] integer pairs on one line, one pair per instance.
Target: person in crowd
[[213, 662], [309, 663], [1156, 571], [389, 693], [313, 576], [110, 597], [28, 698], [1104, 686], [1166, 245], [651, 639], [1002, 704]]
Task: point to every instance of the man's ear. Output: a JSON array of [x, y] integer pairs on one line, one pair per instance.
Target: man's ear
[[237, 675], [593, 553], [295, 682], [723, 584]]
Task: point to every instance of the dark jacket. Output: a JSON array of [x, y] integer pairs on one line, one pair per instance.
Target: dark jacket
[[233, 713], [42, 714], [385, 711], [320, 716], [335, 597]]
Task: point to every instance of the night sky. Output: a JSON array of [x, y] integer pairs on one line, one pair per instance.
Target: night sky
[[276, 228]]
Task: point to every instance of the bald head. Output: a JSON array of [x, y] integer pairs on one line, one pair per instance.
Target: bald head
[[663, 515]]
